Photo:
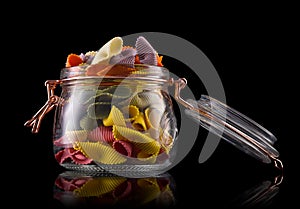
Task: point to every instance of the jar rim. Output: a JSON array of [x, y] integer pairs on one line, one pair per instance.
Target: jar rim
[[136, 71]]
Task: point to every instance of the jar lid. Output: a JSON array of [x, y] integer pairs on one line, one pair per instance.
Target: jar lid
[[234, 127], [231, 125]]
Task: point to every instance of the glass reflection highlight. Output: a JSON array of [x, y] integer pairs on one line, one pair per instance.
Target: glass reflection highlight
[[76, 189], [259, 195]]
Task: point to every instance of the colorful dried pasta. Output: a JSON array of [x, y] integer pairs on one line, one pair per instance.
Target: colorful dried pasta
[[140, 140], [108, 50], [102, 134], [139, 122], [126, 57], [130, 112], [115, 117], [145, 99], [153, 117], [123, 147], [99, 152], [98, 110], [146, 157], [147, 54]]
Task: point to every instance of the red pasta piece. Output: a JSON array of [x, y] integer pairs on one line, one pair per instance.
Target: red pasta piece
[[123, 147], [70, 153], [102, 133], [62, 155], [79, 158]]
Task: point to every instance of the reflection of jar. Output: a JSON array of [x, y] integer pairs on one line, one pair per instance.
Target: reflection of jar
[[121, 118], [107, 190]]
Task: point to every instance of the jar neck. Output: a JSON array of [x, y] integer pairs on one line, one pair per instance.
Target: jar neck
[[142, 75], [137, 71]]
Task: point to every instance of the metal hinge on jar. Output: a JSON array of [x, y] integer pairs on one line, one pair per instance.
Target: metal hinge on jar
[[35, 121]]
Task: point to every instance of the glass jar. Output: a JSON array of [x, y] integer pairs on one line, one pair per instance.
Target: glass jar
[[120, 118]]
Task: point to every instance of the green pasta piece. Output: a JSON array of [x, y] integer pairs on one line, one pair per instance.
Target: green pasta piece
[[88, 123], [98, 110]]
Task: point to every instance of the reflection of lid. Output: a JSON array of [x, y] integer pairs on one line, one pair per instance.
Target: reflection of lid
[[260, 195]]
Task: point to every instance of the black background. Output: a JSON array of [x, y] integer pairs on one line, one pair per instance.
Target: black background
[[253, 59]]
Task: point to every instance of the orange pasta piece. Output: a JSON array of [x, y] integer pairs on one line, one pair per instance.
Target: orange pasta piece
[[73, 60], [159, 60]]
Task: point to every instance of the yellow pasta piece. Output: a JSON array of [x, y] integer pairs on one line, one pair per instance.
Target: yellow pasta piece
[[140, 140], [100, 152], [130, 112], [115, 117], [99, 186], [147, 158], [139, 122]]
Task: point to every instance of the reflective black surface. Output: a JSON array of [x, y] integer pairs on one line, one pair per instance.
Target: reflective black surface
[[73, 189], [241, 183]]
